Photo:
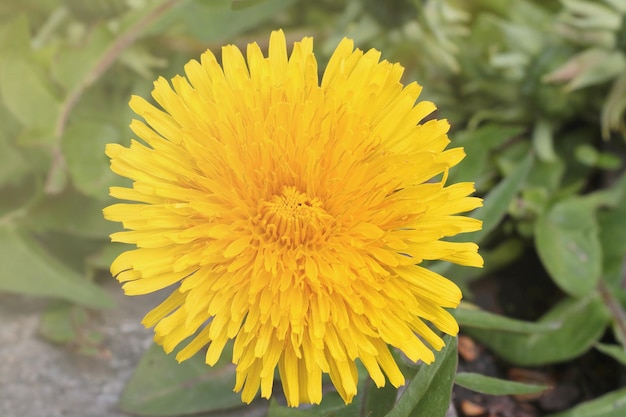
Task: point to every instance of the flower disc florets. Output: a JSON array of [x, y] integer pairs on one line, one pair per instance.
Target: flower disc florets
[[291, 215]]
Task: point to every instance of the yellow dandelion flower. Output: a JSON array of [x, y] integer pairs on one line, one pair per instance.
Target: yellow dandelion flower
[[292, 215]]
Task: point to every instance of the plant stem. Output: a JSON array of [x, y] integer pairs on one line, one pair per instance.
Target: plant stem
[[615, 309], [101, 66]]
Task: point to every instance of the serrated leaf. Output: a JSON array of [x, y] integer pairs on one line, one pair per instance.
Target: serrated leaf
[[567, 241], [482, 319], [429, 392], [496, 386], [161, 386], [83, 146], [583, 323], [612, 404], [26, 268]]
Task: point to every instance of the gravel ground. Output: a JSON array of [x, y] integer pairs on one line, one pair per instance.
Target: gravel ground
[[39, 379]]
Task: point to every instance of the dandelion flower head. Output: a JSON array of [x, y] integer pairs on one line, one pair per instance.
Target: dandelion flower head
[[291, 214]]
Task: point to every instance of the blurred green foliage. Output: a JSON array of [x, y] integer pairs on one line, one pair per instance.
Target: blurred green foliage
[[535, 92]]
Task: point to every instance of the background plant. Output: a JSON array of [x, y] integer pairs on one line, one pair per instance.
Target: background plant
[[535, 91]]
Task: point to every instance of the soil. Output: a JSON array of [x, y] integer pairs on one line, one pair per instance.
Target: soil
[[524, 291]]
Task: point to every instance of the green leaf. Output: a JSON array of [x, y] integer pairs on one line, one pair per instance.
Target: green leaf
[[58, 323], [617, 352], [277, 410], [26, 268], [569, 247], [496, 386], [16, 199], [607, 197], [65, 69], [583, 323], [495, 259], [71, 213], [377, 402], [546, 176], [482, 319], [216, 20], [498, 200], [103, 258], [429, 392], [243, 4], [67, 324], [587, 154], [25, 89], [70, 250], [496, 206], [13, 165], [478, 145], [15, 36], [26, 94], [612, 404], [161, 386], [612, 224], [543, 140], [96, 10], [83, 146], [332, 405], [598, 66]]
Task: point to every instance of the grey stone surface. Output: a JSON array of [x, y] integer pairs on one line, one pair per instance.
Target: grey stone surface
[[40, 379]]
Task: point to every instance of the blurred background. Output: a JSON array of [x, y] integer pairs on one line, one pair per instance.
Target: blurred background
[[535, 91]]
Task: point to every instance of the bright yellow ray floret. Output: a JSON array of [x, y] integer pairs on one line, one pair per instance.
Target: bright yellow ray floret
[[291, 216]]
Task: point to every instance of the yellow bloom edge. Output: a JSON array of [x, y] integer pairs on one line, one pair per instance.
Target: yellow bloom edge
[[292, 215]]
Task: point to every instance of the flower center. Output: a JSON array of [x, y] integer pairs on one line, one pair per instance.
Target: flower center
[[295, 218]]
